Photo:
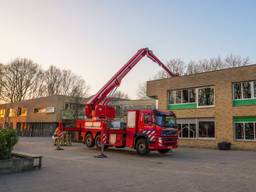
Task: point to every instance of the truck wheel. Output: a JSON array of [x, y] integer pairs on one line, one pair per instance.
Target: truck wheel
[[163, 151], [89, 141], [98, 142], [142, 147]]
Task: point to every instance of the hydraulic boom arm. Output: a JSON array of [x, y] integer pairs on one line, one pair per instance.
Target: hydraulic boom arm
[[115, 81]]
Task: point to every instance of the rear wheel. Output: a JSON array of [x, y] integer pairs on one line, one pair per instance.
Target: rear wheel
[[142, 147], [89, 141], [163, 151]]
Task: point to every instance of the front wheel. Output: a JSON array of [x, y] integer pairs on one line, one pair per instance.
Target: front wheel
[[163, 151], [142, 147], [89, 141]]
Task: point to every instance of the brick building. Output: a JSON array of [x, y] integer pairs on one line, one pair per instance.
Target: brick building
[[211, 107], [39, 117]]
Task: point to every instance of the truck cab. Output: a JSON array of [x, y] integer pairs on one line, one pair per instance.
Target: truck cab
[[151, 130]]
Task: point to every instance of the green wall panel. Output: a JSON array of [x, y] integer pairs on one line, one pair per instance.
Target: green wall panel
[[244, 102], [182, 106], [244, 119]]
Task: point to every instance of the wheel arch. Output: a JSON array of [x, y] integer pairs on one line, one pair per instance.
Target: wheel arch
[[140, 136]]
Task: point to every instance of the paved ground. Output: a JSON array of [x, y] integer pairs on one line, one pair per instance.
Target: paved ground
[[76, 169]]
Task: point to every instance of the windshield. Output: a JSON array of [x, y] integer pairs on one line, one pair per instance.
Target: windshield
[[166, 121]]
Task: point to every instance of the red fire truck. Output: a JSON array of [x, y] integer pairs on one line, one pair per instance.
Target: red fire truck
[[143, 130]]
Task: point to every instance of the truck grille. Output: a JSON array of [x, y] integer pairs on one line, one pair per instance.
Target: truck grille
[[171, 132]]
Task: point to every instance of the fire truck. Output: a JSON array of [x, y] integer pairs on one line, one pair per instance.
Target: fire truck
[[142, 130]]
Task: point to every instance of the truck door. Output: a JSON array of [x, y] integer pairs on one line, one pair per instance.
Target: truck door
[[131, 128], [147, 127]]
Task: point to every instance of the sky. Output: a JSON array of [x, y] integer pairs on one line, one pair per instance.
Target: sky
[[95, 38]]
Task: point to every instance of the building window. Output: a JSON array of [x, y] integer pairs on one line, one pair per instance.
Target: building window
[[12, 112], [196, 128], [239, 129], [254, 88], [244, 90], [185, 96], [191, 95], [2, 113], [205, 96], [247, 90], [245, 131], [206, 129], [178, 96], [22, 111], [182, 96], [237, 91]]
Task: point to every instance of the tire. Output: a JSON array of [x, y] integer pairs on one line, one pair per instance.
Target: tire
[[89, 141], [163, 151], [142, 147]]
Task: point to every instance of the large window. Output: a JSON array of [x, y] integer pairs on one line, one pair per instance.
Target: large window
[[244, 90], [12, 112], [22, 111], [202, 96], [206, 129], [196, 128], [206, 96], [245, 131], [182, 96], [2, 112]]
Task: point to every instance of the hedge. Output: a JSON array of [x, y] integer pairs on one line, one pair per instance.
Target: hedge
[[8, 138]]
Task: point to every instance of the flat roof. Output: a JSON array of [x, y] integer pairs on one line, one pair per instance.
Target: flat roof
[[213, 71]]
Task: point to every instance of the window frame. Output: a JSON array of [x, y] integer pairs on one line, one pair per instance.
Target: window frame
[[253, 91], [244, 139], [181, 122], [174, 93], [197, 97]]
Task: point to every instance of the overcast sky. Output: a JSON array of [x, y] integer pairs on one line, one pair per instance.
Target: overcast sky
[[95, 38]]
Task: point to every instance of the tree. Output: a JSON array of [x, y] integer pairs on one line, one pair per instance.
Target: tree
[[175, 65], [1, 76], [142, 91], [216, 63], [120, 95], [19, 79], [63, 82]]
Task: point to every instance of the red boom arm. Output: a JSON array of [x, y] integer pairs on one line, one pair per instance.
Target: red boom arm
[[99, 99]]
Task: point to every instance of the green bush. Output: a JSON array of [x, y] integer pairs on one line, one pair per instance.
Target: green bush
[[8, 138]]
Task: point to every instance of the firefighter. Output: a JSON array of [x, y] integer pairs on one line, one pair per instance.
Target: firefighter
[[58, 134]]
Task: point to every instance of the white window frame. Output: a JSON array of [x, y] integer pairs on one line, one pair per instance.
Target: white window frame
[[244, 139], [205, 106], [242, 90], [175, 96], [196, 122]]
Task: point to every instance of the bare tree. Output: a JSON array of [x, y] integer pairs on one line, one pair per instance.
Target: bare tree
[[175, 65], [63, 82], [18, 79], [236, 61], [216, 63], [142, 91], [121, 95], [1, 76]]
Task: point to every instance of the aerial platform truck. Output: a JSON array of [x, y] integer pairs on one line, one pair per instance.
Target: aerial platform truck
[[143, 130]]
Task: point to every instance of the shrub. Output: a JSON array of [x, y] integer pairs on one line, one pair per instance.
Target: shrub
[[8, 138]]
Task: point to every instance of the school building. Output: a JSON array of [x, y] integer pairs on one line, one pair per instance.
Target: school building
[[211, 107]]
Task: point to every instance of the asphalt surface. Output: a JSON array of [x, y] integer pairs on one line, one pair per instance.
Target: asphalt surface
[[76, 169]]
